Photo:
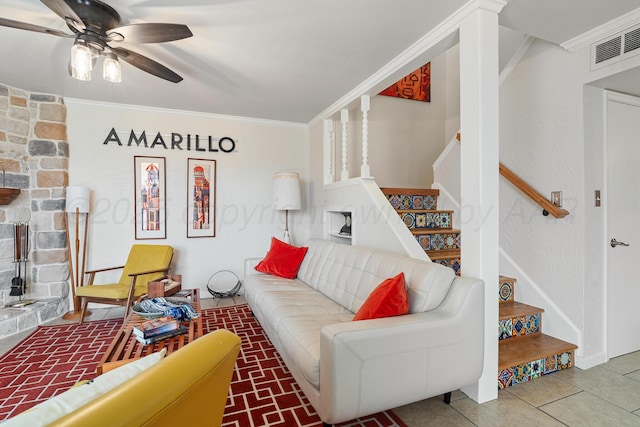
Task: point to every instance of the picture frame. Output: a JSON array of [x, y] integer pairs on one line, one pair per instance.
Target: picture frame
[[150, 201], [201, 197], [415, 85]]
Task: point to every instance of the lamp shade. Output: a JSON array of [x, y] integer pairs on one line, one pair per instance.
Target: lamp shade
[[78, 197], [286, 191]]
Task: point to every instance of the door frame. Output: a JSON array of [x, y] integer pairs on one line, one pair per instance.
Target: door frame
[[609, 96]]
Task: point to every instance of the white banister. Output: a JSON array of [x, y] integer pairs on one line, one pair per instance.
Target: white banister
[[344, 118], [329, 142], [364, 106]]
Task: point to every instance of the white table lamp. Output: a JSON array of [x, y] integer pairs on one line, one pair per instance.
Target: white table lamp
[[286, 196]]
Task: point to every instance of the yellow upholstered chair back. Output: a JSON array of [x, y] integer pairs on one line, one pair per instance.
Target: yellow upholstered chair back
[[145, 258], [187, 388]]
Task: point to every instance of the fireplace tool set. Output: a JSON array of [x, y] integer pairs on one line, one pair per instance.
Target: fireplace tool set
[[20, 256]]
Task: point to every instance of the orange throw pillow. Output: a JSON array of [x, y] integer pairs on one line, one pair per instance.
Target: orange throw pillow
[[282, 260], [388, 299]]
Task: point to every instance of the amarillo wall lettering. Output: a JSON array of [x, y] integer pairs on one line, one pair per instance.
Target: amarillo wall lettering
[[177, 142]]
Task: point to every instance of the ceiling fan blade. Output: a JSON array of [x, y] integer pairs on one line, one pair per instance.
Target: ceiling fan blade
[[31, 27], [64, 11], [150, 33], [146, 64]]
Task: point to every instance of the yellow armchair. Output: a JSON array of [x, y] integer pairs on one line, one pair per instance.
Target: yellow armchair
[[189, 387], [145, 263]]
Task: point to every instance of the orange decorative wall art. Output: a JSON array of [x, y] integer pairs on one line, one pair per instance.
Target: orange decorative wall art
[[415, 85]]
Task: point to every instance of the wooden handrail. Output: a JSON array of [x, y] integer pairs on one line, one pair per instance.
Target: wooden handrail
[[547, 206]]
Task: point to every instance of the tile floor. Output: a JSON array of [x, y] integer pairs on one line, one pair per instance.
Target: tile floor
[[606, 395]]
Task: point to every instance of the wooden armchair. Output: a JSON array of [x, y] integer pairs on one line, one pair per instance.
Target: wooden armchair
[[145, 263]]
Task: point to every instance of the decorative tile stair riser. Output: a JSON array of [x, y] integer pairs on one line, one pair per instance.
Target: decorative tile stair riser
[[439, 241], [536, 368], [407, 201], [419, 220]]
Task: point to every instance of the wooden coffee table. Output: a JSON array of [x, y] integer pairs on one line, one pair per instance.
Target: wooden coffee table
[[126, 348]]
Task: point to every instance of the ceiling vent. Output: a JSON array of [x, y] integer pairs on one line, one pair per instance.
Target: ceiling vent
[[616, 48]]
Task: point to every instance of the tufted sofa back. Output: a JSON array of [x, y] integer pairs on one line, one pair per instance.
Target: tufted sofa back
[[347, 274]]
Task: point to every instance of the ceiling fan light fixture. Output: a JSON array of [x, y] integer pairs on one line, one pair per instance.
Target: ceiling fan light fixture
[[111, 69], [81, 61]]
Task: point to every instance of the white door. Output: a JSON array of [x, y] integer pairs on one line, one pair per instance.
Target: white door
[[623, 225]]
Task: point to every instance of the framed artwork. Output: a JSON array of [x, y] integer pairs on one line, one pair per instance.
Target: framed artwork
[[150, 197], [201, 198], [415, 85]]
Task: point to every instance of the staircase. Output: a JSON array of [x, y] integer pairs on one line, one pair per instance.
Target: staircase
[[418, 209], [525, 353]]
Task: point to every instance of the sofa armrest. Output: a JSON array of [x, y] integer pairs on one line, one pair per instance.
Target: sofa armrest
[[370, 365], [250, 266]]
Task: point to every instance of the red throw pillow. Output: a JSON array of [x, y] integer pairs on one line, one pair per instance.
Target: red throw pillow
[[282, 260], [388, 299]]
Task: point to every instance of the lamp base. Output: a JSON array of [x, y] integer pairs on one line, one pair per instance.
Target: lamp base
[[286, 238], [72, 315]]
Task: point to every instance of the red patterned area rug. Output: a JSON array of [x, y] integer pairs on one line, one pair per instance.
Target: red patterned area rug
[[263, 392], [50, 361]]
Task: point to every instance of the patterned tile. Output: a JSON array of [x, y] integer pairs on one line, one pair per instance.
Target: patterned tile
[[533, 323], [504, 329], [418, 202], [409, 219], [565, 360], [425, 242], [505, 378], [430, 202], [506, 291], [437, 242], [551, 364], [457, 267], [521, 373], [536, 368], [519, 326], [394, 199]]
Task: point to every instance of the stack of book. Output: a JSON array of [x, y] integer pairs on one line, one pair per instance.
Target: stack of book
[[158, 329]]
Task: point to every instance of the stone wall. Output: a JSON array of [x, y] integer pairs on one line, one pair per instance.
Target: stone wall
[[34, 154]]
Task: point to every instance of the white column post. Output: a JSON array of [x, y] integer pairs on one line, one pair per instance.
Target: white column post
[[344, 118], [329, 142], [364, 106], [479, 120]]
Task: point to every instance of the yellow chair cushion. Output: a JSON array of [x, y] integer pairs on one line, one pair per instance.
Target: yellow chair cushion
[[111, 291], [145, 258]]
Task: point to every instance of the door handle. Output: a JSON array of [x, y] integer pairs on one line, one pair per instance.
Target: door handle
[[615, 243]]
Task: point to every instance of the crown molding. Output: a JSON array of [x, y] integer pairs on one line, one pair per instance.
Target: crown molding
[[159, 110], [603, 31]]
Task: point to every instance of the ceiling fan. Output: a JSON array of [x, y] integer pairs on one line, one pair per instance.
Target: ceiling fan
[[95, 25]]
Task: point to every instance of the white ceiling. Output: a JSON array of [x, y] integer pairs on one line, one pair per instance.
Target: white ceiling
[[272, 59]]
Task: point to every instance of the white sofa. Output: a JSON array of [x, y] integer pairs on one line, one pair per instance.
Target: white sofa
[[348, 369]]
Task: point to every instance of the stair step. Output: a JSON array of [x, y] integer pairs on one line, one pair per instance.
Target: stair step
[[517, 320], [433, 239], [516, 309], [531, 357], [506, 289], [412, 198], [444, 254], [420, 219], [447, 257]]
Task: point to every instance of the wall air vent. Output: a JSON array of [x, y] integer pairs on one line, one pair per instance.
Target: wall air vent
[[615, 48]]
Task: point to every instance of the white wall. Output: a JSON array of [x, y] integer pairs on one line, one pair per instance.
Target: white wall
[[405, 136], [549, 136], [245, 221]]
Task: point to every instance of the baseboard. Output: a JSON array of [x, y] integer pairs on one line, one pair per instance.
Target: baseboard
[[590, 361]]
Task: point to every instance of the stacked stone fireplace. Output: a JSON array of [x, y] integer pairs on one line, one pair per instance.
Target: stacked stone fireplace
[[34, 154]]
